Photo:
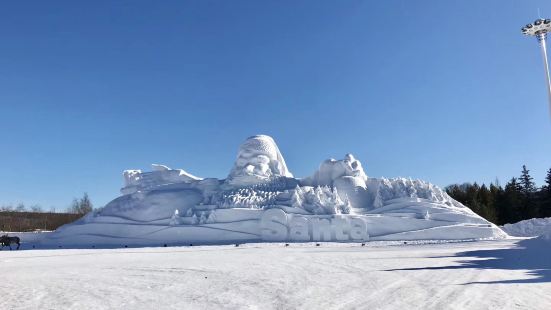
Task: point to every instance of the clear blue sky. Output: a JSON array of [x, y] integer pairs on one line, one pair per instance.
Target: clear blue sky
[[446, 91]]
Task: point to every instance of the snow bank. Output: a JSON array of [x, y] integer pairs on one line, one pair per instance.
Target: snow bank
[[528, 228], [262, 201]]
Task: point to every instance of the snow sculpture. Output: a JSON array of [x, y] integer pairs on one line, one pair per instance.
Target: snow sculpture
[[261, 201], [258, 160], [348, 177], [135, 180], [332, 170]]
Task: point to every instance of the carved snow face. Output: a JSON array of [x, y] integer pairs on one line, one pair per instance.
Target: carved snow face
[[258, 159], [250, 162], [353, 166]]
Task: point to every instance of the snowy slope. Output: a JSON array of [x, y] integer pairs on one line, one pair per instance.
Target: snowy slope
[[503, 274], [262, 201]]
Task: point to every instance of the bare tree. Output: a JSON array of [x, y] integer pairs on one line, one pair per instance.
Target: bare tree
[[20, 207], [82, 206], [36, 208]]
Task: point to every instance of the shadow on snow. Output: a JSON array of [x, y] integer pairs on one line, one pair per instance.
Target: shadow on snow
[[530, 255]]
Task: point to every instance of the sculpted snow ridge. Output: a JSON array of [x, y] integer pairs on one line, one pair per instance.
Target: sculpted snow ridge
[[136, 180], [261, 200]]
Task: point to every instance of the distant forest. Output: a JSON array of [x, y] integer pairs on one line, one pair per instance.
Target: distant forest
[[519, 200], [23, 218], [33, 221]]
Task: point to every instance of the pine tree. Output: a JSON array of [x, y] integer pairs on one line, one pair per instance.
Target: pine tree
[[545, 206], [497, 197], [512, 202], [528, 189], [486, 203], [547, 186], [471, 196], [527, 182]]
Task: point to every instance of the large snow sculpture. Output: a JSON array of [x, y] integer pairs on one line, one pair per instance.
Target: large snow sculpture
[[262, 201]]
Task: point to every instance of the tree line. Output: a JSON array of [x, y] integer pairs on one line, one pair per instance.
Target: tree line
[[519, 200], [23, 218], [78, 206]]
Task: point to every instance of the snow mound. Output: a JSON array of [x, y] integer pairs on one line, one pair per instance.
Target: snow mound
[[262, 201], [529, 228]]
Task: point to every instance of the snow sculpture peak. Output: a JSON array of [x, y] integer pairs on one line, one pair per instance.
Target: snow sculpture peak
[[331, 170], [258, 160]]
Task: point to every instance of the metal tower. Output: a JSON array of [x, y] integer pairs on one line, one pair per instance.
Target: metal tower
[[539, 29]]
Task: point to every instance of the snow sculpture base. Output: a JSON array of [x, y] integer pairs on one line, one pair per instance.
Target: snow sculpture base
[[260, 201]]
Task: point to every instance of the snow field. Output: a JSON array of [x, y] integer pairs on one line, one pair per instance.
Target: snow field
[[500, 274]]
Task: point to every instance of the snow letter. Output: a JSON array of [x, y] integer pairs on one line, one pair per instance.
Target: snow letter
[[321, 230], [273, 225], [358, 230], [340, 226], [298, 229]]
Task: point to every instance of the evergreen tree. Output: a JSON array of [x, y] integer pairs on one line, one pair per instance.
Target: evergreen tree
[[487, 206], [548, 181], [520, 199], [512, 202], [545, 205], [472, 197], [497, 196], [528, 189], [527, 182]]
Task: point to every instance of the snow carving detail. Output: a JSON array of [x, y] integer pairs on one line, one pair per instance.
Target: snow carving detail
[[258, 160]]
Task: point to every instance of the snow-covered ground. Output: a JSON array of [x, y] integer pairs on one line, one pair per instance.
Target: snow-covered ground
[[528, 228], [499, 274]]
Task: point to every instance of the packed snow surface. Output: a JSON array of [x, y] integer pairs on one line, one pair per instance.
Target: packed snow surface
[[529, 228], [498, 274], [260, 200]]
